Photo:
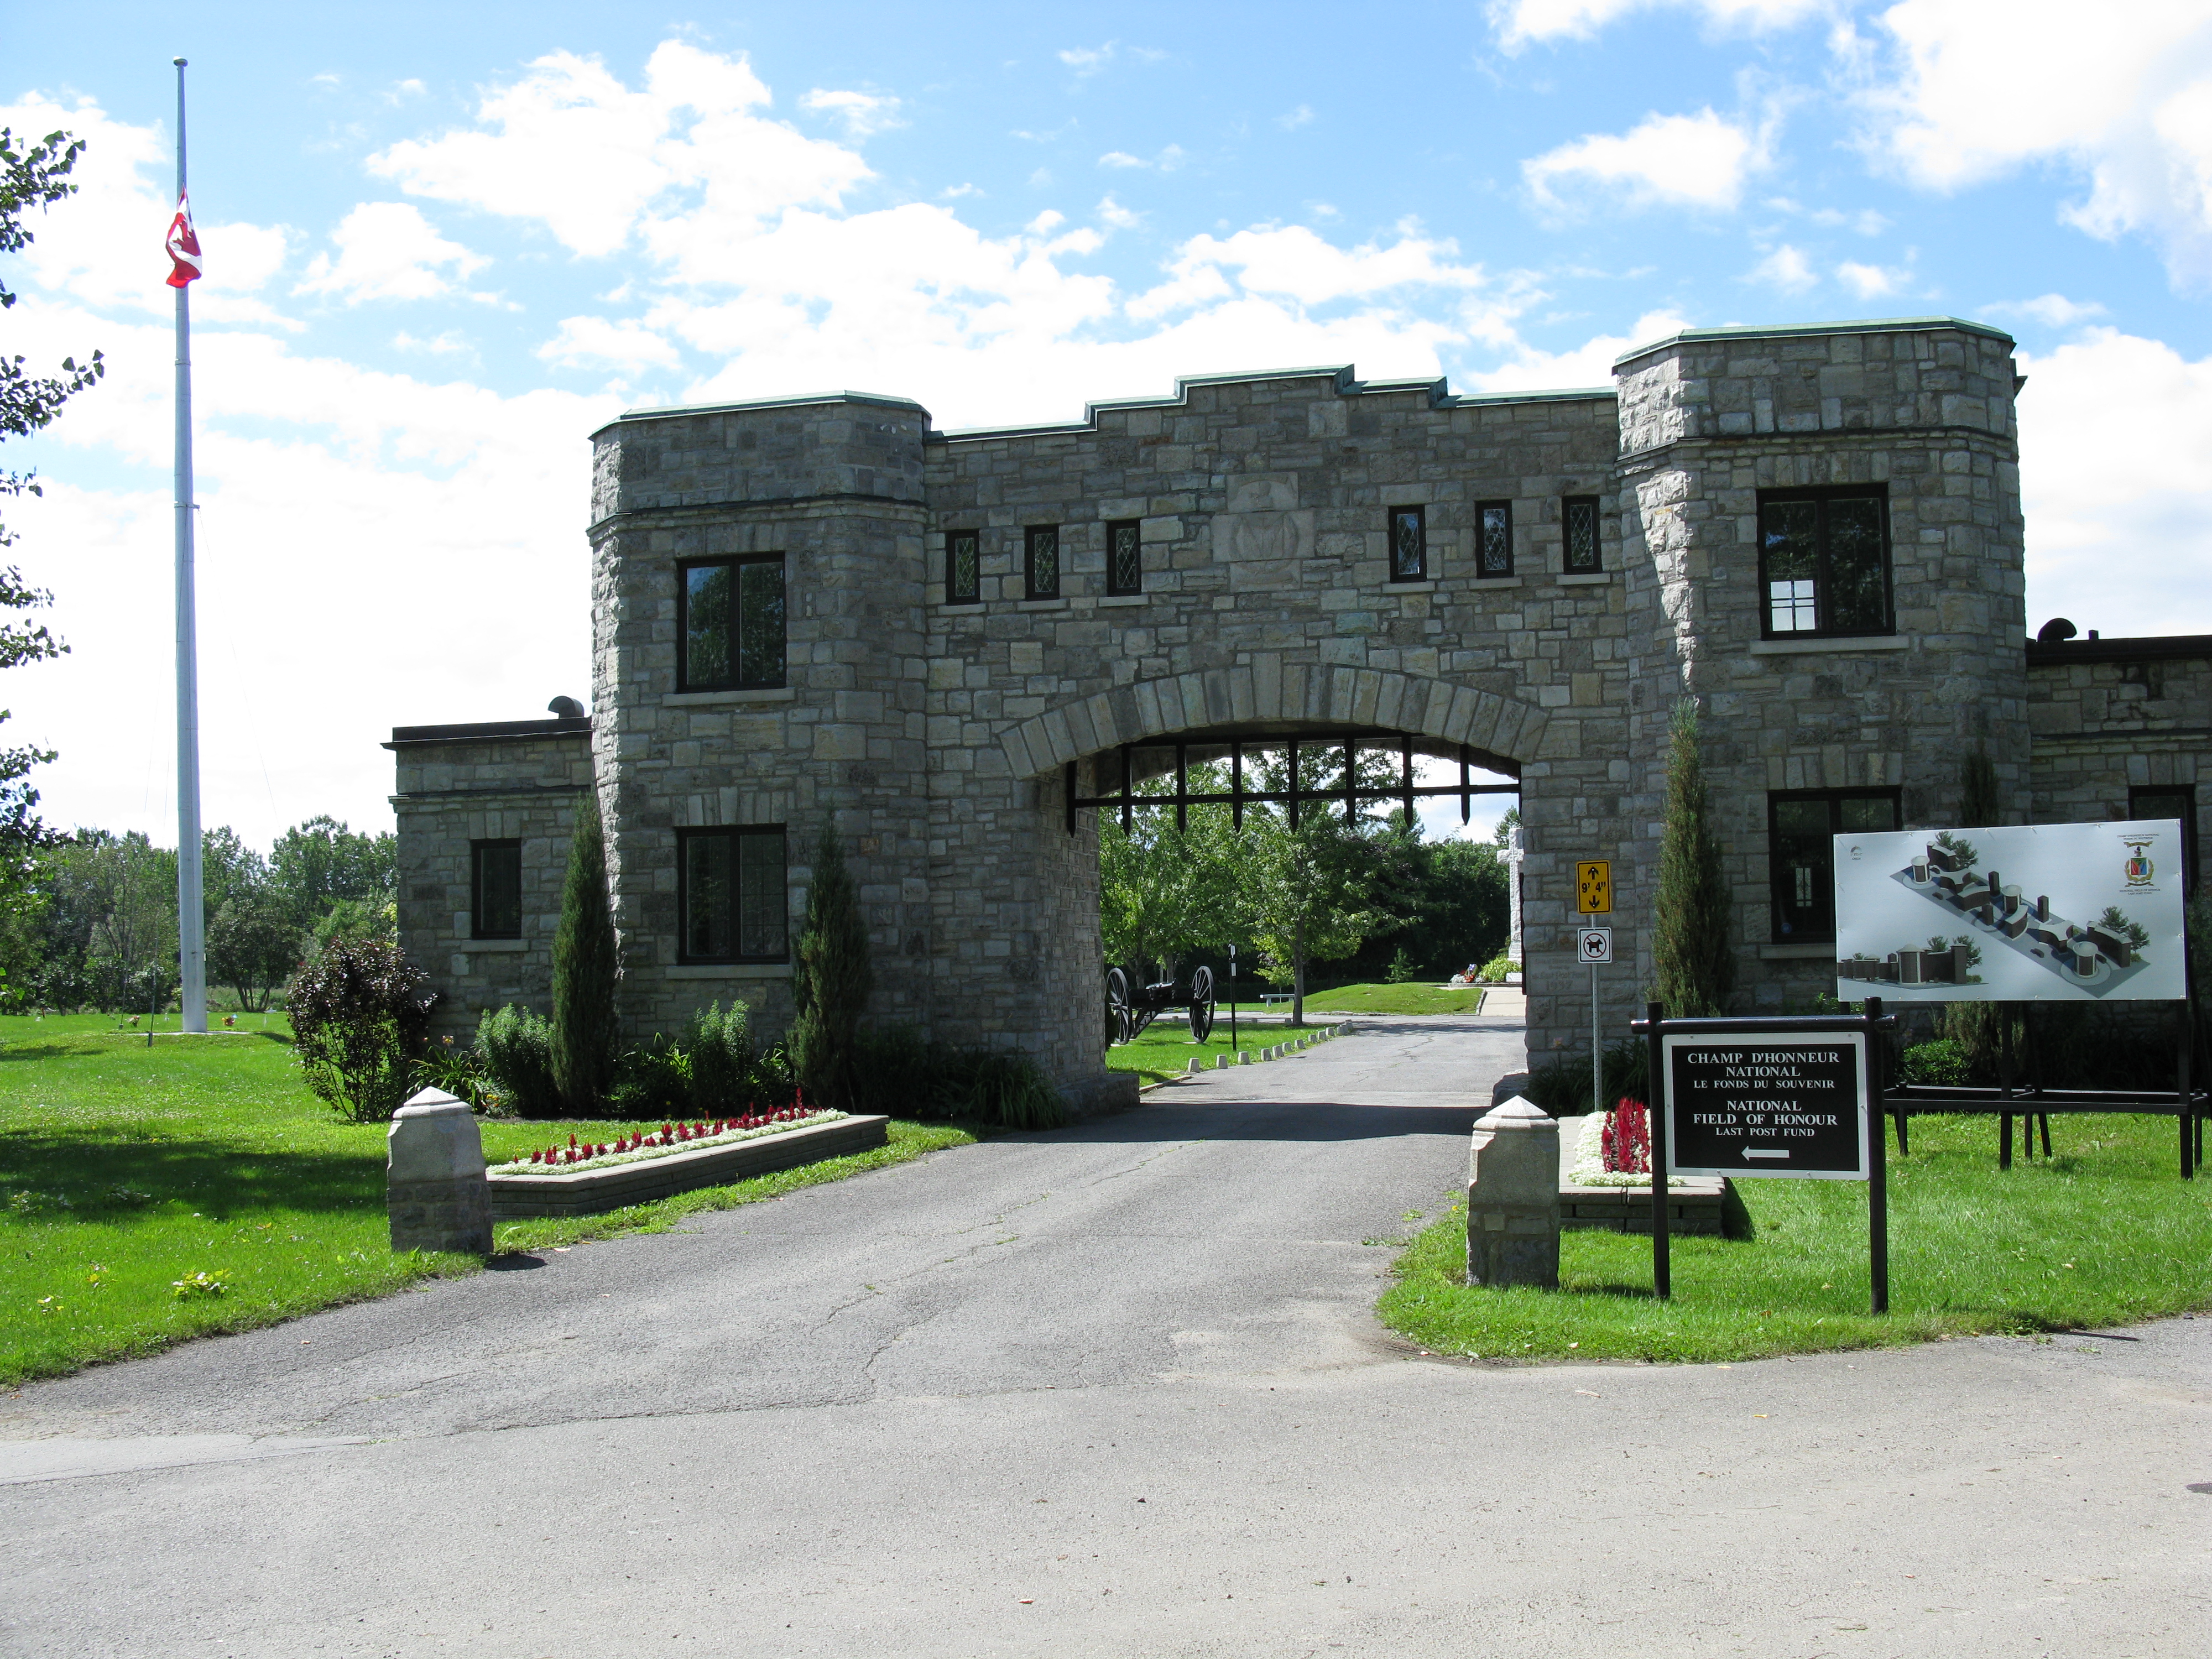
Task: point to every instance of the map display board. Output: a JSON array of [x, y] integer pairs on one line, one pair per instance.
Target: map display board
[[2017, 913], [1768, 1103]]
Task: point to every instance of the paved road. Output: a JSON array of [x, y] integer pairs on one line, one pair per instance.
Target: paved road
[[1113, 1391]]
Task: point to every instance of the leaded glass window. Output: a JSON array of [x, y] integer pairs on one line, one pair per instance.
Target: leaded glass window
[[496, 888], [1823, 561], [1493, 538], [1125, 557], [1041, 561], [1579, 526], [733, 623], [963, 568], [731, 885], [1801, 850], [1409, 544]]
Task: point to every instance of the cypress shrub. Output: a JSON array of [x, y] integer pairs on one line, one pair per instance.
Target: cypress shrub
[[829, 990], [1979, 805], [1693, 965], [586, 1039]]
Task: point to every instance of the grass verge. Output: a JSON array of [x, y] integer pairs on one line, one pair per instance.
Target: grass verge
[[127, 1171], [2104, 1234], [1161, 1051], [1405, 998]]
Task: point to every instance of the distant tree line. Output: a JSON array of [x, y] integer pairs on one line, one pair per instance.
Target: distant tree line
[[90, 920]]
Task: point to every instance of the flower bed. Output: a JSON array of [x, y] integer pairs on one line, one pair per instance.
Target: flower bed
[[1619, 1199], [669, 1138], [611, 1179]]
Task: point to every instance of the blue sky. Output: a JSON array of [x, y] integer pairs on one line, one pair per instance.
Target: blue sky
[[444, 244]]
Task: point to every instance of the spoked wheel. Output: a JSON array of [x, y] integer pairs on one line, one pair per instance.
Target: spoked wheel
[[1201, 1005], [1120, 1019]]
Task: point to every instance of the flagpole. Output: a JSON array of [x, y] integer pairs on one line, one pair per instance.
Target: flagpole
[[191, 940]]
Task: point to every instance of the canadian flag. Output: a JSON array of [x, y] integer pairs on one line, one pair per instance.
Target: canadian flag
[[184, 246]]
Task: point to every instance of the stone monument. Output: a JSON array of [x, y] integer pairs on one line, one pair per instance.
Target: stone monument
[[434, 1188], [1513, 1197]]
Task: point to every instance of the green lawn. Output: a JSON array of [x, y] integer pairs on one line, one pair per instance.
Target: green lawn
[[2104, 1234], [1406, 999], [126, 1168], [1162, 1050]]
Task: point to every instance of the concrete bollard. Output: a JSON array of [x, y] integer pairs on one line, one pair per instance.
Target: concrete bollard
[[1513, 1198], [1244, 1058], [434, 1191]]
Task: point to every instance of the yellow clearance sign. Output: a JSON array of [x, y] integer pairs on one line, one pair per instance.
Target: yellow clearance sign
[[1594, 887]]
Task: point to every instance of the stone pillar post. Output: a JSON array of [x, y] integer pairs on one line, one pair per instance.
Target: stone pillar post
[[1514, 854], [1513, 1198], [435, 1188]]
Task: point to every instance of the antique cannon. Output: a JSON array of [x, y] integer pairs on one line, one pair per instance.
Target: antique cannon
[[1130, 1008]]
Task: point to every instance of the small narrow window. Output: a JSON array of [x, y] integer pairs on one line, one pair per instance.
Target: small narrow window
[[1409, 544], [1823, 561], [963, 568], [1801, 850], [1125, 557], [1493, 538], [731, 624], [495, 890], [2172, 801], [1578, 523], [1041, 561], [731, 893]]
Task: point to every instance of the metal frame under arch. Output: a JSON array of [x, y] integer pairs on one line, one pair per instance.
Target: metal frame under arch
[[1209, 747]]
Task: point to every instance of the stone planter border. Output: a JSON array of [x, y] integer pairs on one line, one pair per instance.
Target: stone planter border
[[589, 1192]]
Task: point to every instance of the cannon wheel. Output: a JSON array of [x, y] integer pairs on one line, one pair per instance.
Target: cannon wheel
[[1201, 1005], [1121, 1022]]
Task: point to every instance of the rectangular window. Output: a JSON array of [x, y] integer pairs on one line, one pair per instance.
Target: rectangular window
[[2172, 801], [1823, 561], [494, 890], [963, 568], [731, 624], [1125, 557], [730, 892], [1409, 544], [1578, 527], [1801, 852], [1493, 538], [1041, 561]]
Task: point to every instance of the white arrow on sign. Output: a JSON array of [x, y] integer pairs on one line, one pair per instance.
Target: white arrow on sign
[[1597, 944]]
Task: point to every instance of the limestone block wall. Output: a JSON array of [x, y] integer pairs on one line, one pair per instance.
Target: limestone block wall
[[833, 485], [2112, 715], [1708, 420], [519, 779]]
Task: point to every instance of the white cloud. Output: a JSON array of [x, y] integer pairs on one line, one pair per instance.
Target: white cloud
[[862, 112], [1964, 91], [1590, 364], [1786, 268], [1121, 158], [1872, 282], [389, 251], [1113, 213], [446, 345], [2052, 310], [1520, 21], [2116, 475], [1688, 160], [628, 345], [1087, 61], [1301, 117], [1166, 161]]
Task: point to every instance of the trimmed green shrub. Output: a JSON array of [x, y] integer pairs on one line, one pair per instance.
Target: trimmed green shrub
[[586, 1033], [1693, 966], [360, 1020], [1562, 1086], [724, 1064], [515, 1047], [903, 1076], [829, 991], [1938, 1064], [652, 1082], [1495, 970]]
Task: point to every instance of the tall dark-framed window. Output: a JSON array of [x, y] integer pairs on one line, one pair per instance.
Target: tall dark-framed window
[[964, 567], [2172, 800], [1125, 557], [730, 895], [1800, 852], [1409, 544], [494, 890], [1580, 556], [1493, 538], [1824, 562], [731, 623], [1041, 561]]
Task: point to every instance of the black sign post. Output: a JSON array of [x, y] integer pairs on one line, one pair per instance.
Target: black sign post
[[1794, 1098]]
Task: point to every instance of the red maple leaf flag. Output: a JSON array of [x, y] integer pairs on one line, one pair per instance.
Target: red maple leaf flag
[[184, 246]]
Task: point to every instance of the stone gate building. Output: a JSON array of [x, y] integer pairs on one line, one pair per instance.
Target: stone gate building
[[820, 608]]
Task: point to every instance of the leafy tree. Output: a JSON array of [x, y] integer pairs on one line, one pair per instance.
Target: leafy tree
[[360, 1020], [1695, 966], [829, 991], [1164, 893], [317, 864], [252, 945], [32, 175], [586, 1030], [1306, 892]]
